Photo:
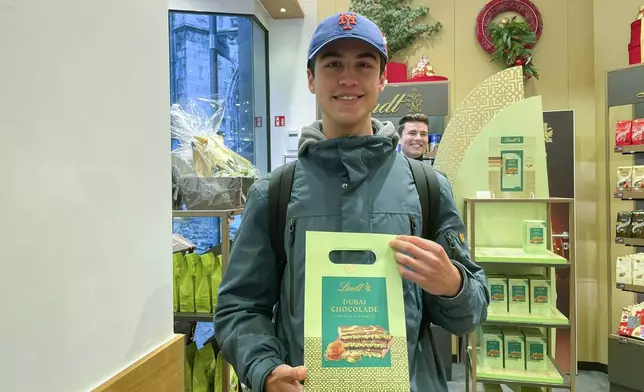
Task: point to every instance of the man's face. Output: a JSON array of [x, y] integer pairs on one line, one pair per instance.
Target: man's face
[[414, 138], [347, 82]]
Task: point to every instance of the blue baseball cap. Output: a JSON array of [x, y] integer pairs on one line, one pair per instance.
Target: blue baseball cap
[[347, 25]]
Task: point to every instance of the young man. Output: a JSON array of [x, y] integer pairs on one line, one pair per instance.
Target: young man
[[413, 130], [348, 178]]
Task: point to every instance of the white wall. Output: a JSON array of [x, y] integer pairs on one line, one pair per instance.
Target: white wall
[[290, 97], [85, 234]]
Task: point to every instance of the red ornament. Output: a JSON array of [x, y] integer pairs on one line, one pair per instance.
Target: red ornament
[[519, 62], [494, 8]]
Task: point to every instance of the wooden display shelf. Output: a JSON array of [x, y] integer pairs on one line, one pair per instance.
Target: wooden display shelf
[[629, 195], [632, 149], [555, 320], [552, 377], [629, 241], [516, 256], [631, 288], [501, 258]]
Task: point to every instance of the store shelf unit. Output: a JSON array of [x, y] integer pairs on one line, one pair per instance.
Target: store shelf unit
[[624, 101], [552, 375], [225, 217]]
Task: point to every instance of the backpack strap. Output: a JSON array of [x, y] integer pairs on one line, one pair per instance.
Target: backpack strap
[[279, 194], [426, 181]]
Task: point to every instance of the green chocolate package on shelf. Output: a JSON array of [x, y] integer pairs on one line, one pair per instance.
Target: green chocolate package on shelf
[[498, 288], [540, 295], [492, 351], [536, 348], [534, 236], [514, 346], [518, 295]]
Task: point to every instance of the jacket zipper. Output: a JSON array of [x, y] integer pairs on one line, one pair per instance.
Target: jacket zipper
[[451, 242], [412, 223], [290, 262]]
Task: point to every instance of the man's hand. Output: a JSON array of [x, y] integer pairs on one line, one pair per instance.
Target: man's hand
[[428, 267], [285, 379]]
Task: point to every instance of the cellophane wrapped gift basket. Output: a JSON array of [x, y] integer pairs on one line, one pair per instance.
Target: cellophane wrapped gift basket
[[208, 174]]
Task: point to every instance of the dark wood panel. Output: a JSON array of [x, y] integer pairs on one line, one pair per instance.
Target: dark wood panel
[[623, 367], [625, 86]]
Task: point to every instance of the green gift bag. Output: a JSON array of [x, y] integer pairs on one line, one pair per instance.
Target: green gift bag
[[186, 287], [217, 273], [176, 272], [191, 353], [213, 272], [354, 315], [219, 370], [202, 374], [202, 287]]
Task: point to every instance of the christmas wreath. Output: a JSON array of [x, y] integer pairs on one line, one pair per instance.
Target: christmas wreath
[[512, 40]]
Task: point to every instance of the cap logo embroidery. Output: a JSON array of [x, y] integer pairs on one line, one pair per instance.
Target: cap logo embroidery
[[347, 20]]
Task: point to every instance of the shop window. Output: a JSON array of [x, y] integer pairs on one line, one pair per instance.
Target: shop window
[[216, 56]]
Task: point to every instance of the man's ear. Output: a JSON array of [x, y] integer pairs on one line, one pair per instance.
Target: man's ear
[[382, 83], [311, 79]]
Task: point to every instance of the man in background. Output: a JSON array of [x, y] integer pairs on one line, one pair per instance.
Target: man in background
[[414, 130]]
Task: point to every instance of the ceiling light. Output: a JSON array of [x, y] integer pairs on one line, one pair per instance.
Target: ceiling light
[[282, 9]]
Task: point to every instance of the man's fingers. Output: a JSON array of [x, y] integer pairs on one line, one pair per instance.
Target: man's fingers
[[410, 275], [408, 247], [299, 373], [419, 242], [293, 373], [414, 264], [290, 374]]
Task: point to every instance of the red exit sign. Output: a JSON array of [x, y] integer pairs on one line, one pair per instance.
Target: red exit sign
[[280, 121]]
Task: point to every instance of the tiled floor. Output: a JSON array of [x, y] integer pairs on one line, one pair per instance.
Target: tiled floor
[[586, 381]]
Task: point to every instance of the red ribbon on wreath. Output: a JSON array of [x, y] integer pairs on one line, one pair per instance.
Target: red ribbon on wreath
[[494, 8]]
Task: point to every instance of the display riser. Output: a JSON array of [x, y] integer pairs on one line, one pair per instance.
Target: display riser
[[625, 366]]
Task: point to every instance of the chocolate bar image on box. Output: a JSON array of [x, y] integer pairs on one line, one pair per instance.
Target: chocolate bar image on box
[[355, 342]]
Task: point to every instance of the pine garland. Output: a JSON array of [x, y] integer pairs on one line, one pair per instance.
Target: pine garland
[[512, 39], [398, 21]]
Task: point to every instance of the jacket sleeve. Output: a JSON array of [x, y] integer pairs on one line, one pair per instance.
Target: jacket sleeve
[[248, 293], [463, 313]]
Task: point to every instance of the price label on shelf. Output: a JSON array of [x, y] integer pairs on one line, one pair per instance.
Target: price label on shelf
[[619, 240], [619, 148], [618, 195], [621, 286]]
